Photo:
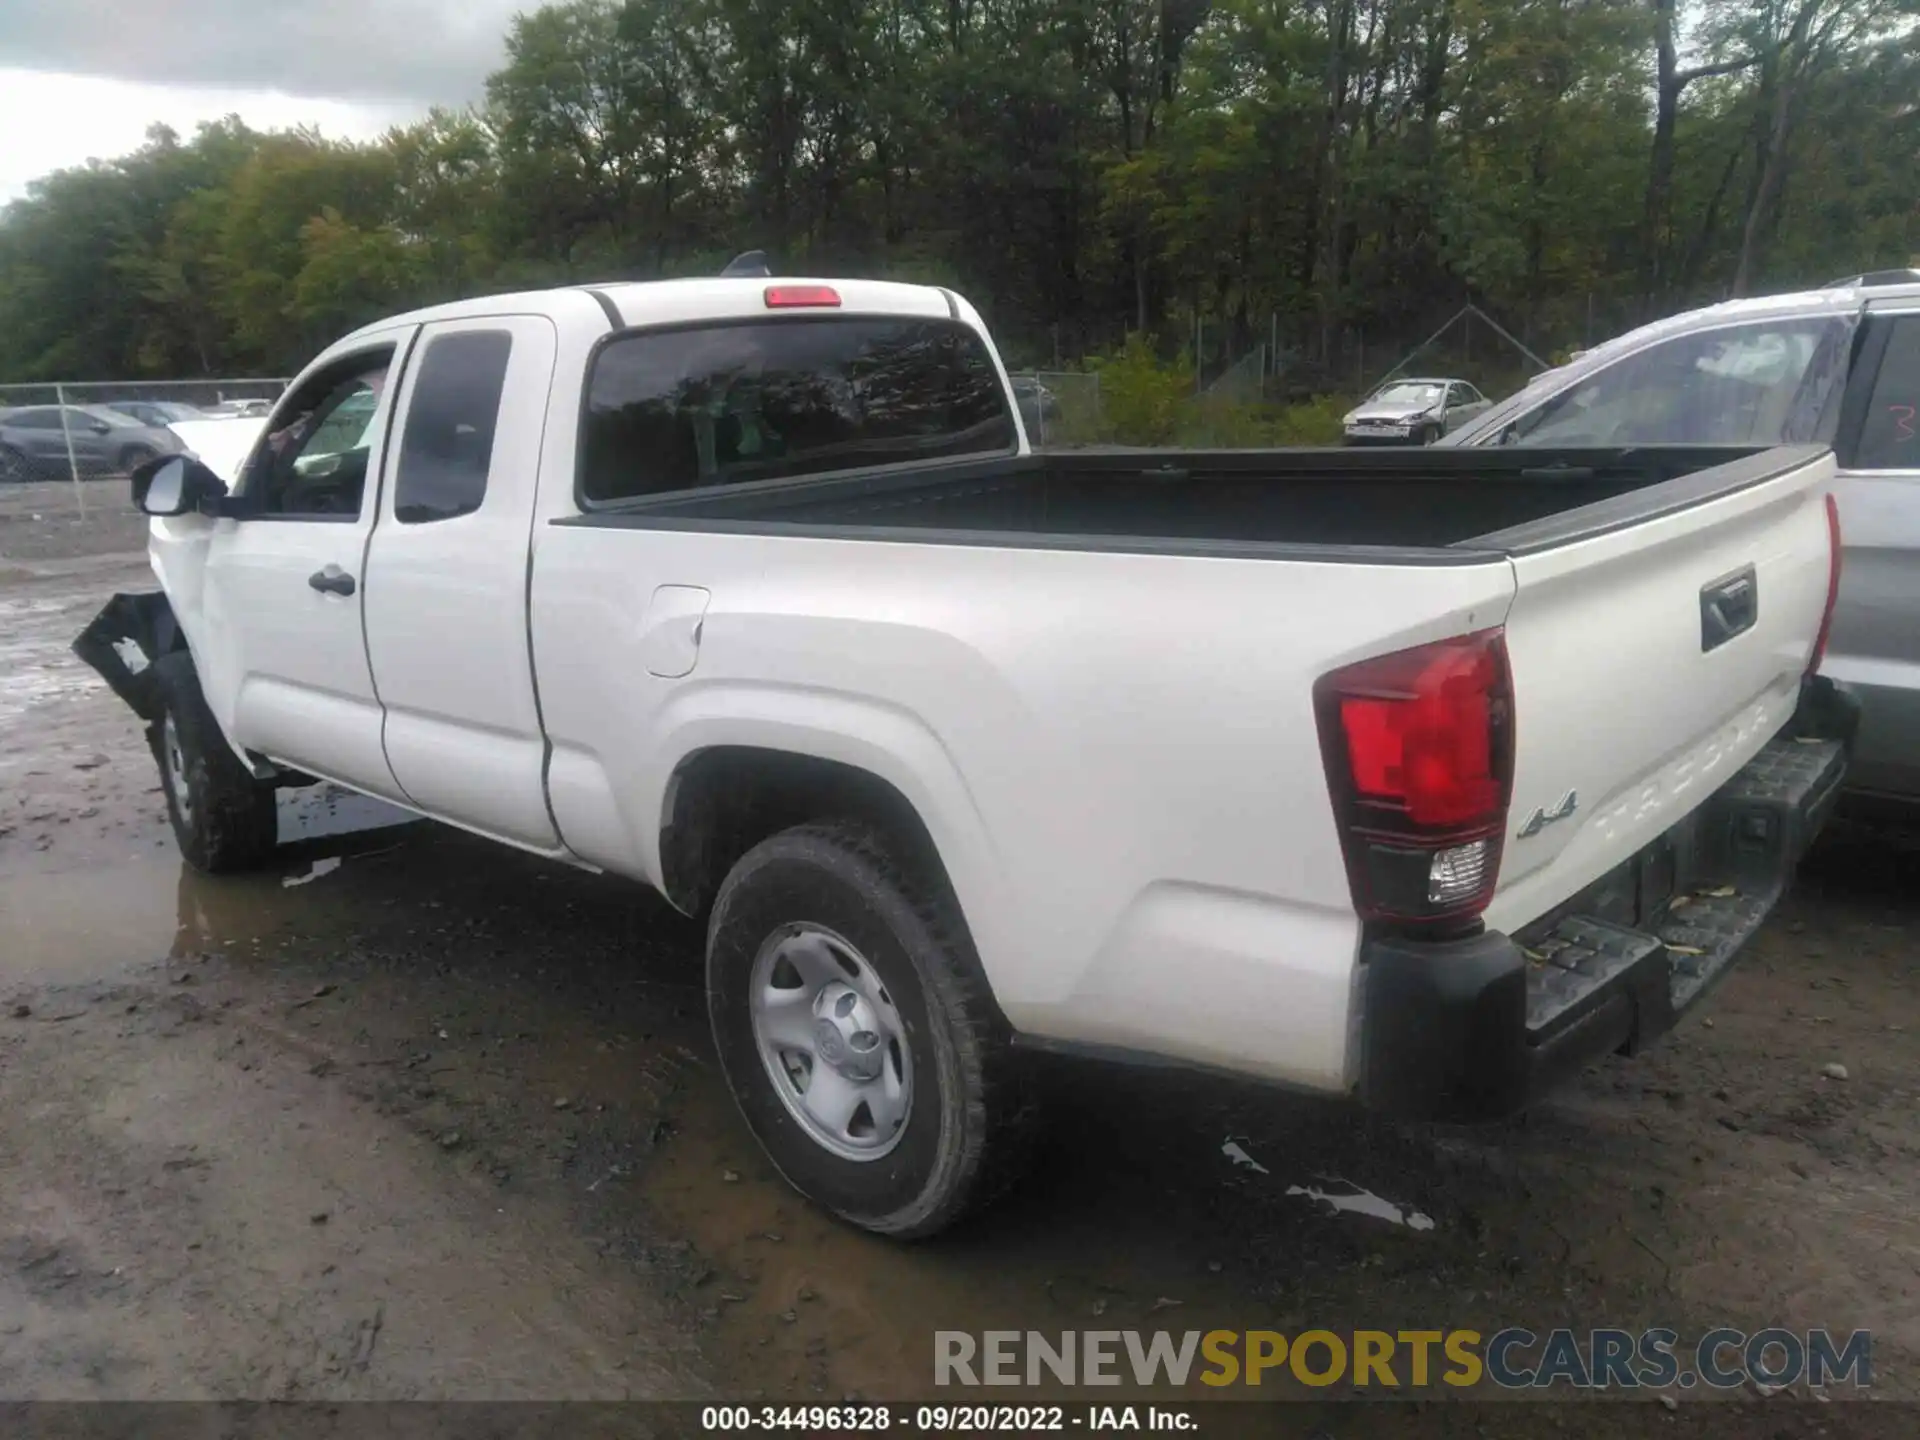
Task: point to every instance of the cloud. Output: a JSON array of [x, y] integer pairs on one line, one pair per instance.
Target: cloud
[[419, 51], [55, 121]]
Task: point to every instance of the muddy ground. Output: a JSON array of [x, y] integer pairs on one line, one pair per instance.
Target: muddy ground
[[414, 1116]]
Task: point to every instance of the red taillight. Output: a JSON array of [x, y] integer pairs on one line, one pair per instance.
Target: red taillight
[[1419, 753], [1833, 586], [783, 297]]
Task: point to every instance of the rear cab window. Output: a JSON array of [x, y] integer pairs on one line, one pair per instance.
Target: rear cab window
[[727, 404]]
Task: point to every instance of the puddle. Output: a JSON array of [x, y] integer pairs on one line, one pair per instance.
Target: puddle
[[79, 925], [1355, 1201], [312, 873], [96, 924], [36, 665], [1352, 1200], [91, 923], [1234, 1152]]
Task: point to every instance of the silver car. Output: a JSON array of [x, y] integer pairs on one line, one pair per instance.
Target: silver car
[[157, 412], [39, 442], [1839, 366], [244, 409], [1413, 412]]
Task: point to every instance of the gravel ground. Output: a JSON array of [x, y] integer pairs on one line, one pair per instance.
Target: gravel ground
[[413, 1116]]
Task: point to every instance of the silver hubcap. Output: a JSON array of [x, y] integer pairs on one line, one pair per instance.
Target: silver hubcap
[[834, 1046], [176, 763]]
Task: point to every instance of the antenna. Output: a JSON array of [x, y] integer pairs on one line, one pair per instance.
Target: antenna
[[754, 262]]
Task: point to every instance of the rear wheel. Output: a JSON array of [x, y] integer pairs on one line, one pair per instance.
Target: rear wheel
[[13, 466], [857, 1034], [223, 818], [134, 456]]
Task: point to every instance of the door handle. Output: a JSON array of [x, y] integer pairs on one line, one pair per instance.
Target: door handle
[[1728, 608], [331, 581]]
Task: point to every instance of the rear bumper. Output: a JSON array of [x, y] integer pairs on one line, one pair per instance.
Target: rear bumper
[[1477, 1028]]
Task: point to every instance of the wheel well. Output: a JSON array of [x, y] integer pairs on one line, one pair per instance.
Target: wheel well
[[723, 801]]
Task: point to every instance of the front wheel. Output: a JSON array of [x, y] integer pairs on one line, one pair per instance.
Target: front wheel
[[134, 456], [223, 819], [1429, 435], [856, 1033]]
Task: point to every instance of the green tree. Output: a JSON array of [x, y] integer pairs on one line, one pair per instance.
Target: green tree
[[1340, 174]]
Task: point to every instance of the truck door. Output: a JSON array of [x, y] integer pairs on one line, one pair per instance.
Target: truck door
[[447, 598], [274, 616], [1875, 646]]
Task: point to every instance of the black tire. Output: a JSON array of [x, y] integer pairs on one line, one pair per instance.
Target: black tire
[[1429, 434], [134, 456], [964, 1135], [225, 820], [14, 469]]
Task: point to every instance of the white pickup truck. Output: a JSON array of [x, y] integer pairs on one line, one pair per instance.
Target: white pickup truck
[[1421, 777]]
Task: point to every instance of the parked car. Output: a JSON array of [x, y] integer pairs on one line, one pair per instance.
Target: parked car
[[1412, 411], [1037, 405], [1399, 775], [157, 412], [242, 409], [34, 442], [1837, 366]]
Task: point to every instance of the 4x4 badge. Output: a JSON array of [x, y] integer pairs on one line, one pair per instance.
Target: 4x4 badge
[[1544, 816]]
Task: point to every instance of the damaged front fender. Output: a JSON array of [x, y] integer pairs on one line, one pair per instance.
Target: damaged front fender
[[123, 641]]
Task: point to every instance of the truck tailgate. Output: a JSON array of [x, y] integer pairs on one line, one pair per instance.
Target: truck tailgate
[[1650, 662]]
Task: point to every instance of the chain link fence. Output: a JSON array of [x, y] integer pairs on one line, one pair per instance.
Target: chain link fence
[[1060, 408], [99, 430], [57, 439], [1244, 382]]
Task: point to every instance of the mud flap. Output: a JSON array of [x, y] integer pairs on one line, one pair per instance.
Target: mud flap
[[123, 641]]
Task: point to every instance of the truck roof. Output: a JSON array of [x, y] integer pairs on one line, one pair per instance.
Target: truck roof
[[666, 302]]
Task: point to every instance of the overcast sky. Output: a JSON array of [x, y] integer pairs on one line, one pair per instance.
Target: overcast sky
[[84, 78]]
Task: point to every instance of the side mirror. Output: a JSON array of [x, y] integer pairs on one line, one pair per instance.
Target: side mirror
[[175, 485]]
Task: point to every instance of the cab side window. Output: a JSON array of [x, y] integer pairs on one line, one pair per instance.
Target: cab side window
[[1890, 433], [312, 465], [446, 449]]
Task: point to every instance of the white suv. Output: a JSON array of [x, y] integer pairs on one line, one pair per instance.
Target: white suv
[[1838, 366]]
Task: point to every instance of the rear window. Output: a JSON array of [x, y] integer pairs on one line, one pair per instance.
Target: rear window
[[723, 405]]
